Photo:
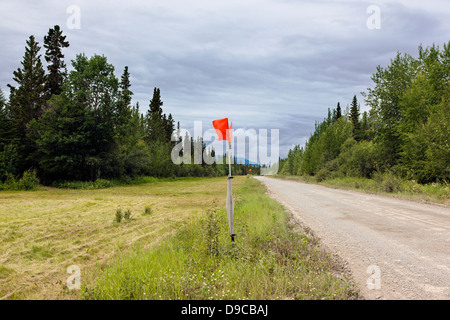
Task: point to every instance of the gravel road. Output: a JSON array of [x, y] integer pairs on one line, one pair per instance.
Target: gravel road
[[395, 249]]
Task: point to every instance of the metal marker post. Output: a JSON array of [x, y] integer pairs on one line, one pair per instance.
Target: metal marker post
[[230, 205]]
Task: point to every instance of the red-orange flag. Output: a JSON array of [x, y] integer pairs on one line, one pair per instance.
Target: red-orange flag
[[222, 129]]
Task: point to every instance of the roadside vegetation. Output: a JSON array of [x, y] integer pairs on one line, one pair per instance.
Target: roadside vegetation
[[400, 145], [388, 185], [273, 259]]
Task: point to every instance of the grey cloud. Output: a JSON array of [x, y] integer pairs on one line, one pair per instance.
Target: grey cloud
[[263, 64]]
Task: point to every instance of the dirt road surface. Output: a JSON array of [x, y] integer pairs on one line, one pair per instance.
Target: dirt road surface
[[395, 249]]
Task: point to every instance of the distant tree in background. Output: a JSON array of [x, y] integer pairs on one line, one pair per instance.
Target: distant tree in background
[[158, 129], [125, 87], [159, 126], [338, 111]]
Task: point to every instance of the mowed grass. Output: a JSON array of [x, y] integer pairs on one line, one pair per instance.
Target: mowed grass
[[272, 259], [43, 232]]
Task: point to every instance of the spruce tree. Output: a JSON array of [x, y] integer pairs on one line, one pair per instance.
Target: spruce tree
[[125, 87], [170, 122], [338, 111], [155, 126], [156, 103], [157, 139], [123, 112], [54, 42], [6, 125], [4, 121], [354, 119], [26, 101], [187, 149]]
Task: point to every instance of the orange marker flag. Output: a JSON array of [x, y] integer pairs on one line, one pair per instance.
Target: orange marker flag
[[224, 133], [222, 129]]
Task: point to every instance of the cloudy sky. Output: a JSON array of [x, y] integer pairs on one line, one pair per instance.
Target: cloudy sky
[[272, 64]]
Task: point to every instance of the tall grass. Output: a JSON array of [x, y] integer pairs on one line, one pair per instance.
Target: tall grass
[[104, 183], [270, 260], [84, 185]]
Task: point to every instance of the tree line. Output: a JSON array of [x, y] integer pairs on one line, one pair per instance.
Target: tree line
[[406, 131], [82, 126]]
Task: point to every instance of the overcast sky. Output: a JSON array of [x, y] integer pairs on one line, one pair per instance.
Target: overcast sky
[[261, 63]]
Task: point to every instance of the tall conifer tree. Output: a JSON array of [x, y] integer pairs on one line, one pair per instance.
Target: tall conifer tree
[[54, 42], [154, 119], [354, 118], [5, 123], [125, 86], [338, 111], [26, 101]]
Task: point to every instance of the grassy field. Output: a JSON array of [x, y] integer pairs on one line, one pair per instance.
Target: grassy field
[[43, 232], [179, 250]]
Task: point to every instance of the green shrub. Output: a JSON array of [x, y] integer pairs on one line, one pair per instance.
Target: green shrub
[[127, 214], [29, 180], [148, 210], [322, 175], [119, 215], [10, 183], [413, 187], [388, 182], [102, 184]]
